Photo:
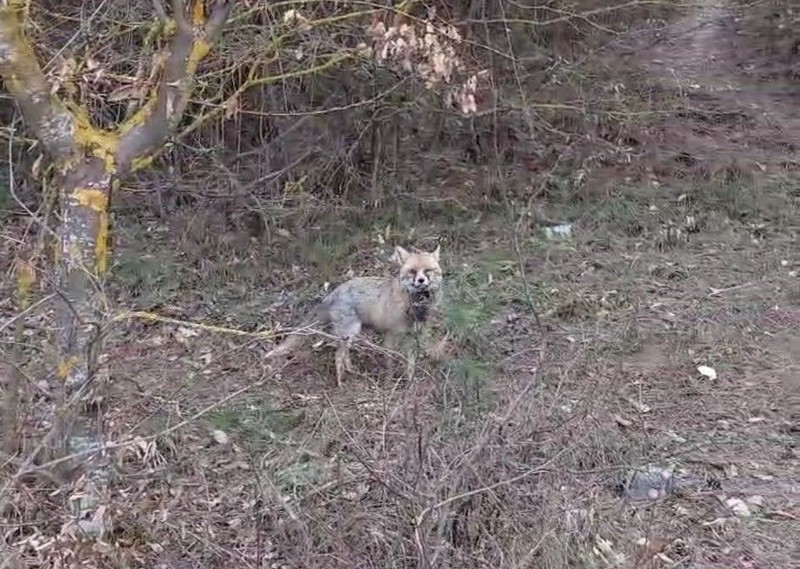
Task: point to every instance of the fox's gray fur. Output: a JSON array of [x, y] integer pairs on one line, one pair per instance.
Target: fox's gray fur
[[393, 306]]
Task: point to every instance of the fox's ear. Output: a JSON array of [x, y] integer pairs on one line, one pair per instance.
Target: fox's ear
[[436, 252], [400, 255]]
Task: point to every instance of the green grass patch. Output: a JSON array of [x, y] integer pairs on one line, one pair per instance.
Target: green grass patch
[[256, 425], [149, 278]]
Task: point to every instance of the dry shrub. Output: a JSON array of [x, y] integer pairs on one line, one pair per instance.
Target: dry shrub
[[432, 475], [291, 104]]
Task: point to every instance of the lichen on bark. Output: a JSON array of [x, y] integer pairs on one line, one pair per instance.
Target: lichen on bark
[[88, 163]]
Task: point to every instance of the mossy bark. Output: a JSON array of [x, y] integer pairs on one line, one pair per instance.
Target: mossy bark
[[89, 162], [84, 196]]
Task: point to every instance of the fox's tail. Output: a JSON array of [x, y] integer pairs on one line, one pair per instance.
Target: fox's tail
[[297, 339]]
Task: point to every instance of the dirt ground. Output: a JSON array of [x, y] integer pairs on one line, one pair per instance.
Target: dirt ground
[[573, 362]]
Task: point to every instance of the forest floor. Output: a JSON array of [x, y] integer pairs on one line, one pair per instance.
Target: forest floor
[[573, 364]]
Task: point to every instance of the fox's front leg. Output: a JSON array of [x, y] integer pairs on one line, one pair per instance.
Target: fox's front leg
[[412, 344], [404, 344], [391, 342], [436, 350], [422, 342], [411, 364], [343, 362], [346, 326]]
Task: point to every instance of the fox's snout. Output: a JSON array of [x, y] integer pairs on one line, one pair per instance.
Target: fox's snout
[[421, 281]]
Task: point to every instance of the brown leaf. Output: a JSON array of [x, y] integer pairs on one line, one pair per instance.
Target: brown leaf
[[126, 92], [231, 107], [622, 421]]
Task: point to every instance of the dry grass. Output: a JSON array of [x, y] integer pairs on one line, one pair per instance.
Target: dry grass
[[509, 455]]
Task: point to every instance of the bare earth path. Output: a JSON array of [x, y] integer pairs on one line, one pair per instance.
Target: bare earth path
[[753, 117], [742, 117]]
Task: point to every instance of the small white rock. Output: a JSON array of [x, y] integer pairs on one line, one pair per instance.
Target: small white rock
[[221, 437], [708, 372], [738, 507]]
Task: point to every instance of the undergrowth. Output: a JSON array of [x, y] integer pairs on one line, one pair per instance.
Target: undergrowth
[[570, 361]]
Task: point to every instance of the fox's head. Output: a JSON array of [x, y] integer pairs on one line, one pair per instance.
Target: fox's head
[[419, 272]]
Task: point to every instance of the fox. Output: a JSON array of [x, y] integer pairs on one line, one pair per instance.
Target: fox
[[392, 306]]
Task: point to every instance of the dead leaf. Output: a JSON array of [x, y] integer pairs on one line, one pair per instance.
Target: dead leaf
[[183, 334], [36, 169], [738, 507], [126, 92], [717, 522], [708, 372], [231, 107], [639, 406], [757, 501], [622, 421], [221, 437]]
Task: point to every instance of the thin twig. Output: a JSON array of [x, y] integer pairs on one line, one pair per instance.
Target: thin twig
[[32, 307]]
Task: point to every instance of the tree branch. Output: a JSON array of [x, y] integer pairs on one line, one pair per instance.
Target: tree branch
[[160, 11], [45, 114], [179, 16], [149, 128], [219, 15]]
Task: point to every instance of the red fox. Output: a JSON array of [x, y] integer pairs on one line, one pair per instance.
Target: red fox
[[393, 306]]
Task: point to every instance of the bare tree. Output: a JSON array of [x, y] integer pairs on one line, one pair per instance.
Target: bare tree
[[88, 163]]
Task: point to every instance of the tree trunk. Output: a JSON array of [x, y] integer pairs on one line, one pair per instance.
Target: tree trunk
[[84, 195], [89, 162]]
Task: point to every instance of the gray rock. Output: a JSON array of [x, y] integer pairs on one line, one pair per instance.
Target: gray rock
[[649, 483]]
